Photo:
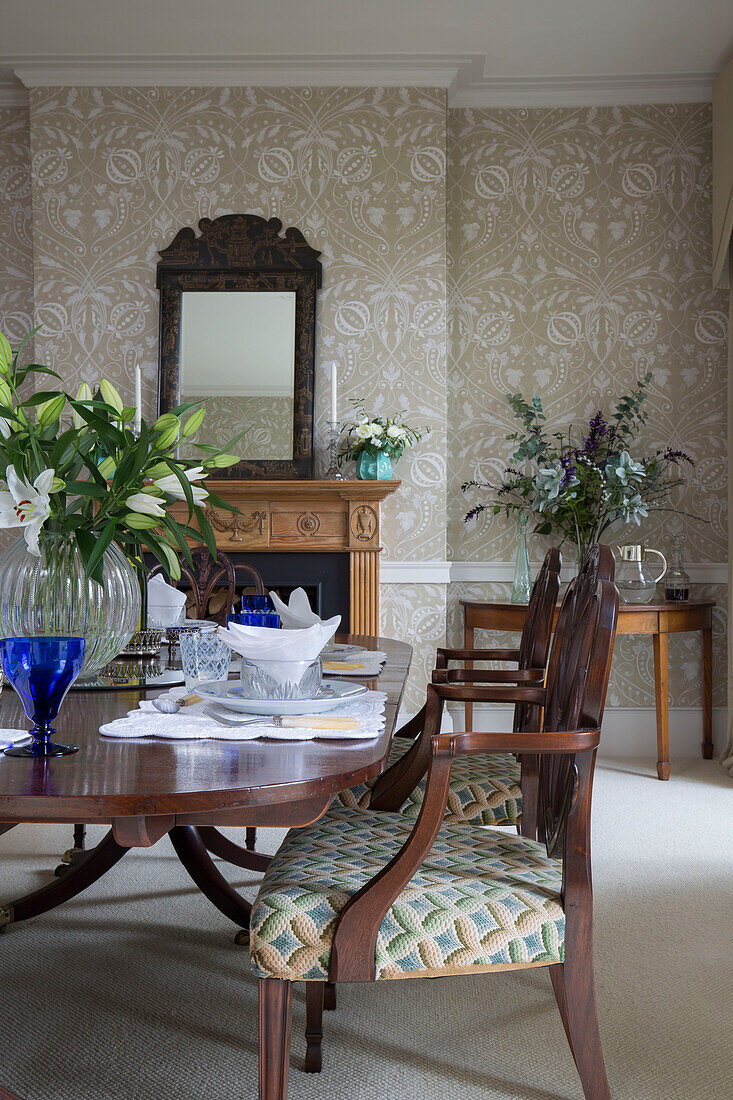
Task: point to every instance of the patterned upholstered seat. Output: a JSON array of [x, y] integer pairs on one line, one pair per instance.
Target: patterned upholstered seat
[[484, 790], [480, 900]]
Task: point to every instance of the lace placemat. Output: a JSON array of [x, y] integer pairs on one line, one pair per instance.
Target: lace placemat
[[361, 665], [190, 723]]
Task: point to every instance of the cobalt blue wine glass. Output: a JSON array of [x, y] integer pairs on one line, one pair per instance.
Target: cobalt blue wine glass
[[42, 670]]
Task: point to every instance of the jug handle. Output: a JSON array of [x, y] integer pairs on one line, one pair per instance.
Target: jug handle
[[661, 555]]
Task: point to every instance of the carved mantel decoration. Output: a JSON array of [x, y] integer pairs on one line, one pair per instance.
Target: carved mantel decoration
[[307, 517]]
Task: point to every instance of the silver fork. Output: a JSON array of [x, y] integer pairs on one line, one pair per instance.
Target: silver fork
[[275, 719]]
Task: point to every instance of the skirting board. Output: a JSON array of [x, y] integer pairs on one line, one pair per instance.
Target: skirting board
[[627, 731]]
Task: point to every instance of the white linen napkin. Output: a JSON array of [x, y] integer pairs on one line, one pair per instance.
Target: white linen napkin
[[276, 650], [165, 603], [296, 613]]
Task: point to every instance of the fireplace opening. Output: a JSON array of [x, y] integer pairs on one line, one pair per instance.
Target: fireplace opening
[[325, 578]]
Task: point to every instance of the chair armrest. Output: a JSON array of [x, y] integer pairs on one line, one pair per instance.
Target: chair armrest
[[566, 742], [477, 655], [495, 693], [488, 676]]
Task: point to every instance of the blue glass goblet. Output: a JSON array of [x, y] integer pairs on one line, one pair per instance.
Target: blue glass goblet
[[42, 670]]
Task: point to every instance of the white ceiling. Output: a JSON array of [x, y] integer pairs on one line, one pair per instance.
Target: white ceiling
[[483, 50]]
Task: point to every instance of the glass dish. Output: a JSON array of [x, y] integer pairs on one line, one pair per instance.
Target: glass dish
[[281, 679], [255, 618]]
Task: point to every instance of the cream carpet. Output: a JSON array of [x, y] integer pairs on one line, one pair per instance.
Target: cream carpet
[[136, 991]]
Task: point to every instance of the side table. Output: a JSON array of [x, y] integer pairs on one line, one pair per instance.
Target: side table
[[657, 619]]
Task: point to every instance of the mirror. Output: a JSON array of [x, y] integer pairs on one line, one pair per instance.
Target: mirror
[[237, 331], [238, 355]]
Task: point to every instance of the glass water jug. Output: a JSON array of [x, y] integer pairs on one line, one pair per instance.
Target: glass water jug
[[635, 579]]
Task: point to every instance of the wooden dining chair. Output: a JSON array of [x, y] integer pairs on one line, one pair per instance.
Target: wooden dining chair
[[207, 576], [364, 896], [501, 790]]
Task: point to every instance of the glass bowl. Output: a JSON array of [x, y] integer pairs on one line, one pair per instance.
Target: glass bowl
[[281, 679]]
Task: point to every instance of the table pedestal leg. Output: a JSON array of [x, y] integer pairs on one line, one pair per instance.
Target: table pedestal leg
[[707, 693], [192, 853], [78, 877], [222, 846], [661, 691]]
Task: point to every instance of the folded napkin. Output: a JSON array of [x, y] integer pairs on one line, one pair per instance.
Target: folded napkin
[[191, 724], [165, 601], [296, 613], [361, 665], [277, 650]]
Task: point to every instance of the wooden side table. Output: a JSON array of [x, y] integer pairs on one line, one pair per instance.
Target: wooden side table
[[658, 619]]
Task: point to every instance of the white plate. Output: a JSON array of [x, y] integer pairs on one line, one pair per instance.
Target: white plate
[[224, 695], [340, 650]]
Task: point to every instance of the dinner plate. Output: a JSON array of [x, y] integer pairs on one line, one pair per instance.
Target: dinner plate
[[334, 692], [339, 651]]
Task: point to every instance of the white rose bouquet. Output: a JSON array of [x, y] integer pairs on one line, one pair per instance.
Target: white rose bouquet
[[377, 435]]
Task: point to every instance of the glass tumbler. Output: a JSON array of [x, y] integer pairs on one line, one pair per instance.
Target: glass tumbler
[[204, 656]]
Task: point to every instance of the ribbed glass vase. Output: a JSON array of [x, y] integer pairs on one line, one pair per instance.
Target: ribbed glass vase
[[51, 595]]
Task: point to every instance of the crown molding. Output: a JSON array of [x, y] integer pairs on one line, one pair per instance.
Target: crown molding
[[583, 91], [262, 70], [12, 94]]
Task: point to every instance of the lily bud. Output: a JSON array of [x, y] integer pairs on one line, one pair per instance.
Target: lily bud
[[57, 485], [174, 565], [6, 354], [220, 461], [111, 395], [84, 394], [193, 423], [167, 438], [165, 421], [49, 411], [137, 522]]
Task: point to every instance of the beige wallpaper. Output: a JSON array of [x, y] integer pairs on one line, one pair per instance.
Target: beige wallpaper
[[578, 255], [117, 171], [16, 238], [579, 258], [268, 420]]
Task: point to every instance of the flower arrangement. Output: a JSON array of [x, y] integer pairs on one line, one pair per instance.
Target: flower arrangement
[[376, 435], [578, 488], [76, 467]]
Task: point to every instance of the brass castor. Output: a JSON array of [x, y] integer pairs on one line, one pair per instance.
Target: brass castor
[[242, 937]]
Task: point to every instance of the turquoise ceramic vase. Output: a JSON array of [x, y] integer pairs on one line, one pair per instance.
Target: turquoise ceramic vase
[[373, 466]]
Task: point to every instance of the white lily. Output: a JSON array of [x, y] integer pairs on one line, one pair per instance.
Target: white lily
[[145, 504], [172, 486], [27, 506]]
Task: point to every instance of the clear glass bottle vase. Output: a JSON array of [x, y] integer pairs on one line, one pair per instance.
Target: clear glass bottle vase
[[522, 586]]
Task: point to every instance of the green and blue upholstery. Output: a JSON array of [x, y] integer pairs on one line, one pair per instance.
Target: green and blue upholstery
[[484, 790], [481, 900]]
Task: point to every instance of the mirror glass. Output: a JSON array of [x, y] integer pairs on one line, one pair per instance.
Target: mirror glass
[[238, 355]]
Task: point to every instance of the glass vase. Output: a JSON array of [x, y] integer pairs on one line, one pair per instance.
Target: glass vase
[[522, 586], [51, 595], [373, 466]]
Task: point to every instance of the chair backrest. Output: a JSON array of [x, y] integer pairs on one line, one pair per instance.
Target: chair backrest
[[577, 681], [537, 630], [207, 575]]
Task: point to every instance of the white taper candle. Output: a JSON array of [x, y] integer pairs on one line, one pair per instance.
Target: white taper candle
[[334, 392], [138, 398]]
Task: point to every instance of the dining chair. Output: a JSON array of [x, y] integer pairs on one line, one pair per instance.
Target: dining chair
[[364, 896], [206, 575], [502, 789]]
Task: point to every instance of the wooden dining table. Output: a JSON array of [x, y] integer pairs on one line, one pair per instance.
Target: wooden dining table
[[146, 789]]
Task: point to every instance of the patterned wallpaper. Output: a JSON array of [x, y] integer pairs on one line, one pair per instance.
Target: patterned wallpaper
[[268, 420], [579, 258], [16, 237], [117, 171]]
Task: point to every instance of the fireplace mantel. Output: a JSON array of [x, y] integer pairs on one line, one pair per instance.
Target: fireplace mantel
[[309, 517]]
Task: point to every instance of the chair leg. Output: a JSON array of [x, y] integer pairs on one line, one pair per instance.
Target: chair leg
[[250, 838], [274, 1037], [574, 987], [329, 997], [314, 992]]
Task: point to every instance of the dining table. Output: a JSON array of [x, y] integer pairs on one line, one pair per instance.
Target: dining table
[[146, 789]]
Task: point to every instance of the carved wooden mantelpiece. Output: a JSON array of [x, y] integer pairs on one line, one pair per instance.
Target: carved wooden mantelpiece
[[309, 517]]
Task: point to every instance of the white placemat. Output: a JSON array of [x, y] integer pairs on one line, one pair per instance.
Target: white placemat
[[12, 737], [368, 663], [191, 724]]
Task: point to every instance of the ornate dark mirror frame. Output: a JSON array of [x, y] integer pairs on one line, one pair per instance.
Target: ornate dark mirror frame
[[244, 252]]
